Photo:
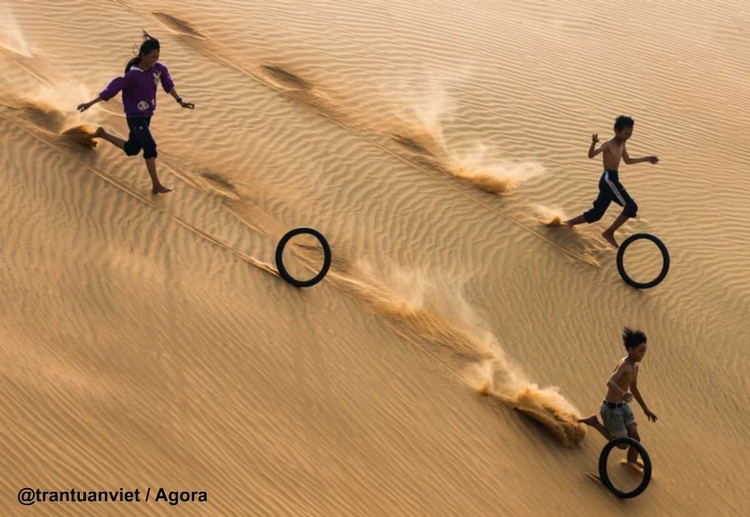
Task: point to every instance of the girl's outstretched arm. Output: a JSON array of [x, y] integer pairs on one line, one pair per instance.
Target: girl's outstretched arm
[[173, 93], [86, 105], [112, 89]]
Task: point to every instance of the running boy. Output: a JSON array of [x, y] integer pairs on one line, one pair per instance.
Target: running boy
[[616, 413], [610, 188]]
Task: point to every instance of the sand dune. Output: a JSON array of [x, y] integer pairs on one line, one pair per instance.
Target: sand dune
[[439, 369]]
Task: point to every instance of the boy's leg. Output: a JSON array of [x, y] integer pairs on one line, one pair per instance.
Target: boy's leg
[[633, 452], [576, 220], [609, 233], [622, 198], [596, 212], [593, 421]]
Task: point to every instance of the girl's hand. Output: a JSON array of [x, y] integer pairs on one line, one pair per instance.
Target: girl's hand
[[653, 160], [652, 417], [188, 105], [83, 107]]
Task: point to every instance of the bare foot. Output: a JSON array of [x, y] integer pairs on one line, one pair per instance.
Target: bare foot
[[590, 421], [161, 189], [610, 238], [99, 133], [636, 464]]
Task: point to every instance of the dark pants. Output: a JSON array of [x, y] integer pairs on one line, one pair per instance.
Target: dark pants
[[140, 138], [610, 189]]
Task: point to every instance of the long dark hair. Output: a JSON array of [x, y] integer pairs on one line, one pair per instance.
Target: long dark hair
[[149, 45]]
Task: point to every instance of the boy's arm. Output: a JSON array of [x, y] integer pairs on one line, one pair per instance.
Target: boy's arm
[[594, 140], [637, 394], [612, 384], [632, 161]]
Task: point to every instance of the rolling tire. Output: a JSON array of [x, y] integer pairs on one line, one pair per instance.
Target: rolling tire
[[621, 255], [604, 475]]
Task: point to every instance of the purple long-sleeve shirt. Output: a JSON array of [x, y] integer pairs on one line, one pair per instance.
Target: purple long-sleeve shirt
[[139, 89]]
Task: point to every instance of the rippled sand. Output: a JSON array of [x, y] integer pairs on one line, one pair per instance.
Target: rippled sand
[[441, 366]]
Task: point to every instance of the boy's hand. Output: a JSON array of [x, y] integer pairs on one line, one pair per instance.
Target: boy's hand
[[594, 138], [651, 417], [83, 107], [652, 159], [627, 397]]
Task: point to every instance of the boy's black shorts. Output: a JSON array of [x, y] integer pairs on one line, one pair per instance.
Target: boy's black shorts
[[610, 189]]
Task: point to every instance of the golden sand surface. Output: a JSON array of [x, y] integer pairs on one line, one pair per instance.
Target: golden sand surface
[[439, 369]]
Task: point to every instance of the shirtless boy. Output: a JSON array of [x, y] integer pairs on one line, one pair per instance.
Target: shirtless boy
[[610, 188], [616, 413]]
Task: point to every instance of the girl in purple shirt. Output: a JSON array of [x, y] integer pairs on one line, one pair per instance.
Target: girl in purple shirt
[[143, 74]]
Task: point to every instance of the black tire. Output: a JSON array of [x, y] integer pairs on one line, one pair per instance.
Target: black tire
[[604, 475], [280, 257], [621, 255]]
